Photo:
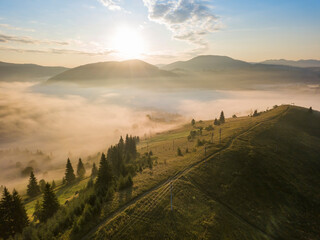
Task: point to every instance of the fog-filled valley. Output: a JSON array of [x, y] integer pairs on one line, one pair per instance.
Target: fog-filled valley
[[43, 124]]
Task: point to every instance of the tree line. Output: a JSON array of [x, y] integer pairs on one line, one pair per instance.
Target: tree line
[[115, 172]]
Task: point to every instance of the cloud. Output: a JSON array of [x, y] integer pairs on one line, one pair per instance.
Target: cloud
[[8, 26], [58, 51], [111, 4], [188, 20], [28, 40]]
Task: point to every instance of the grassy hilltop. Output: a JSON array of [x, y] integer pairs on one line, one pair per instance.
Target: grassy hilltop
[[261, 182]]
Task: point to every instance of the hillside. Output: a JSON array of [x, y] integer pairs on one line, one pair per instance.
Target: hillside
[[261, 182], [208, 63], [213, 72], [108, 71], [221, 72], [26, 72], [300, 63]]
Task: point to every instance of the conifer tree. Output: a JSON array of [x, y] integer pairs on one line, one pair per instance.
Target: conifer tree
[[69, 176], [50, 204], [94, 171], [42, 184], [6, 220], [255, 113], [81, 171], [121, 144], [13, 216], [105, 177], [222, 119], [19, 213], [33, 188], [193, 122], [53, 184], [216, 122]]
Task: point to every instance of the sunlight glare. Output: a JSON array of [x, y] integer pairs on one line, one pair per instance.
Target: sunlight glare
[[128, 42]]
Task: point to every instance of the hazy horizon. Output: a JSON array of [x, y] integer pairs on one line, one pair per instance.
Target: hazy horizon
[[158, 32]]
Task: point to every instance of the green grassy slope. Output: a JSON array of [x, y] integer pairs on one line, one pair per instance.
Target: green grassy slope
[[261, 182], [63, 192]]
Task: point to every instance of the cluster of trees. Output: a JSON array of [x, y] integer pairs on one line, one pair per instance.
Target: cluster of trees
[[70, 176], [255, 113], [122, 153], [13, 215], [146, 161], [115, 171], [221, 119], [209, 128], [34, 189]]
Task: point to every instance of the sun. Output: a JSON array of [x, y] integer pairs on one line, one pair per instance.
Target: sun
[[128, 43]]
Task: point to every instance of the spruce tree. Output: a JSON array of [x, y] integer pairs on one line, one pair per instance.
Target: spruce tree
[[33, 188], [6, 213], [94, 171], [69, 176], [216, 122], [193, 122], [50, 204], [42, 184], [222, 119], [104, 179], [81, 171], [53, 184], [13, 216], [19, 213], [121, 144]]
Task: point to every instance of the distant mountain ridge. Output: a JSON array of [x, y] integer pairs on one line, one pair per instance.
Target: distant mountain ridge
[[205, 71], [310, 63], [25, 72], [208, 63], [112, 70]]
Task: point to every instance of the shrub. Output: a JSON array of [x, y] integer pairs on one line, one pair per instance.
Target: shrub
[[199, 143], [179, 152], [209, 128]]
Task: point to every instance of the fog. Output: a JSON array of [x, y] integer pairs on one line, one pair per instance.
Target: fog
[[65, 121]]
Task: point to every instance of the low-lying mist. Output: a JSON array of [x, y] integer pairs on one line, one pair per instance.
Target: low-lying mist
[[42, 125]]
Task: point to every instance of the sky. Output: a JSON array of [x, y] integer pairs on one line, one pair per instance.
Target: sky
[[75, 32]]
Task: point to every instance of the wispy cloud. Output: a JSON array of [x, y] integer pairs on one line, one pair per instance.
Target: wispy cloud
[[29, 40], [58, 51], [188, 20], [8, 26], [111, 4]]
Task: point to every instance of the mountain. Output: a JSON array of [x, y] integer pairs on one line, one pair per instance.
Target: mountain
[[214, 72], [221, 72], [111, 71], [26, 72], [300, 63], [208, 63]]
